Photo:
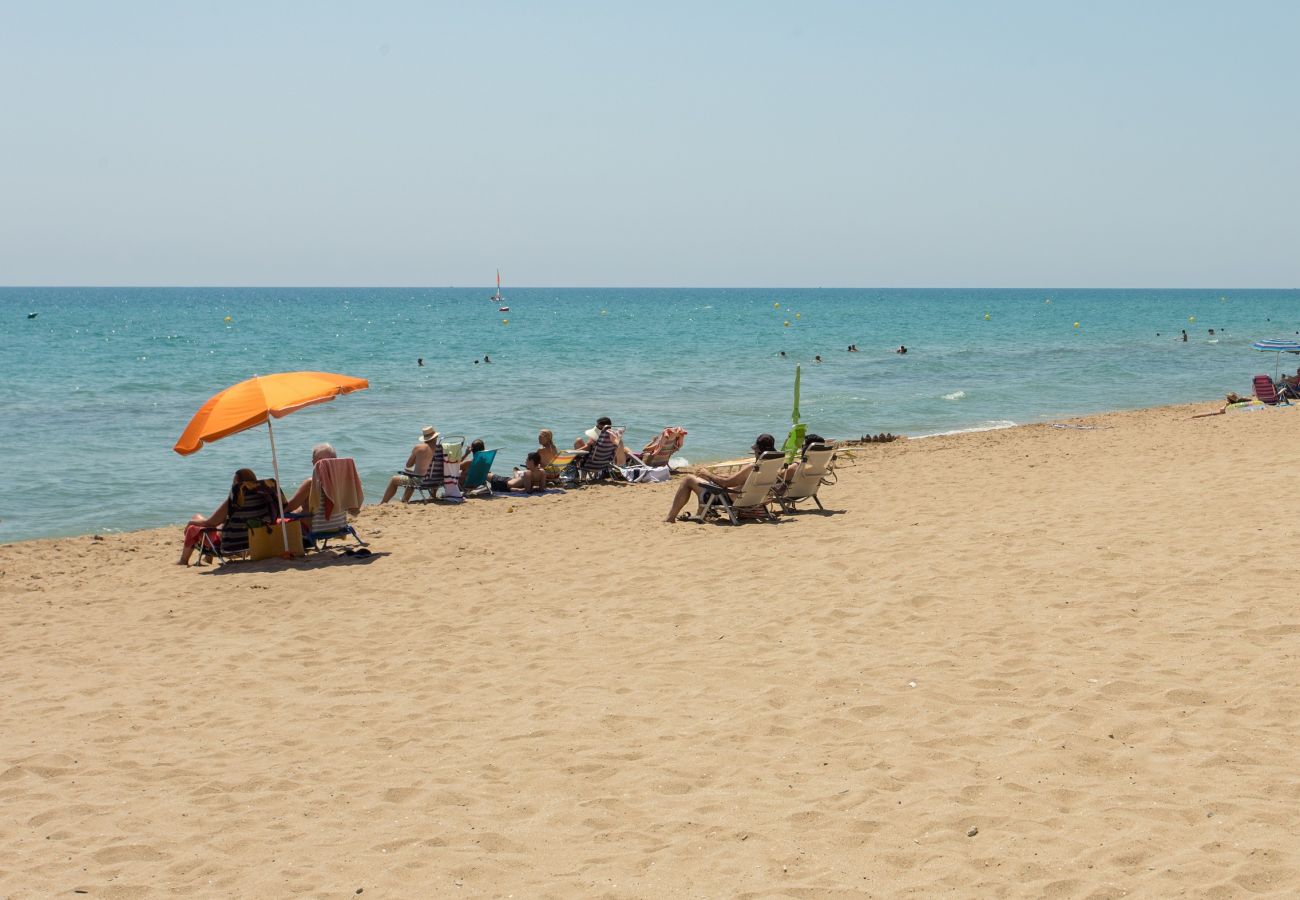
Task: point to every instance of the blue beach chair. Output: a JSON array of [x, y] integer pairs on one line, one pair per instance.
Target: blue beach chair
[[476, 476]]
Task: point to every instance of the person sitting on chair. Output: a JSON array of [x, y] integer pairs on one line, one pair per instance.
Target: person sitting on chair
[[1289, 386], [417, 466], [199, 525], [789, 472], [588, 440], [695, 484], [546, 446], [298, 502], [476, 447]]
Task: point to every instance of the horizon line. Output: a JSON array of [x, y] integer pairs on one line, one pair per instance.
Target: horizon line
[[647, 287]]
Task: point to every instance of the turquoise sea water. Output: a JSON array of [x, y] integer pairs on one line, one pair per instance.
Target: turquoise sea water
[[99, 385]]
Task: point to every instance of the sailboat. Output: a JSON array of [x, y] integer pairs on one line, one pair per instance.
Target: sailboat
[[497, 296]]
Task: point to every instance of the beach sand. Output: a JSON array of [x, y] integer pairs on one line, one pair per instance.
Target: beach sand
[[1040, 662]]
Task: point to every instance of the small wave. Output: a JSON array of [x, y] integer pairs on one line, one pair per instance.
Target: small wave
[[995, 425], [955, 395]]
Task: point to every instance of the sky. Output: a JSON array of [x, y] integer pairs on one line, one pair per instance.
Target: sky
[[857, 144]]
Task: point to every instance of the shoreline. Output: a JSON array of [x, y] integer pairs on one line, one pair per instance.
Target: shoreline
[[692, 467]]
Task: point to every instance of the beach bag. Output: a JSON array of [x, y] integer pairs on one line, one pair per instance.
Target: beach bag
[[646, 474], [267, 541]]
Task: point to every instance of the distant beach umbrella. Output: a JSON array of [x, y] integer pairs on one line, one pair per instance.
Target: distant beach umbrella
[[261, 399], [1278, 346]]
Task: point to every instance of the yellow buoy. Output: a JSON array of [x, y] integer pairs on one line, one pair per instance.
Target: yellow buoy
[[786, 323], [1048, 300], [227, 319], [986, 317], [776, 305], [796, 315], [505, 321], [1191, 318], [1076, 324]]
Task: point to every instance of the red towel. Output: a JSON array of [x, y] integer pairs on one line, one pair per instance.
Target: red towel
[[339, 486]]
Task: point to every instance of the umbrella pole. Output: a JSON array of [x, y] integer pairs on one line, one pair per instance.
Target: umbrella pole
[[279, 491]]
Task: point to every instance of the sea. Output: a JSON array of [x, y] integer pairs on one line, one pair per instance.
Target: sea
[[100, 382]]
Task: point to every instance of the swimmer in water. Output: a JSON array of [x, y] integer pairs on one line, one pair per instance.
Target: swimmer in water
[[1184, 335], [420, 362], [901, 349], [486, 358], [817, 358], [781, 353]]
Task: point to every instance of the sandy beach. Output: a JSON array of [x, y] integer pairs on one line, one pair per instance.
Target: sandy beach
[[1039, 662]]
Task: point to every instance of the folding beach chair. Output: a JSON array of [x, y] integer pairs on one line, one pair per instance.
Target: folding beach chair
[[428, 485], [1265, 390], [814, 467], [750, 500], [661, 447], [794, 441], [564, 467], [250, 503], [476, 476], [598, 463], [329, 519], [453, 450]]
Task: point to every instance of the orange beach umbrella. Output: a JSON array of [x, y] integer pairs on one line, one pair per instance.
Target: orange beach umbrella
[[260, 399]]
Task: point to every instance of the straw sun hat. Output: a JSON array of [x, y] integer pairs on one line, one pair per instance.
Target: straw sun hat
[[429, 434]]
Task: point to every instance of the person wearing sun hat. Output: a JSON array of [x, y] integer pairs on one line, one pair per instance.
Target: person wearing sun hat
[[418, 466]]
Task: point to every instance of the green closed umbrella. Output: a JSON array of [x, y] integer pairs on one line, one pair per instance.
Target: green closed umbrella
[[794, 440]]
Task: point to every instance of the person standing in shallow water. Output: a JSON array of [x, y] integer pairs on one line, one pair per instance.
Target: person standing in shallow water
[[1184, 335]]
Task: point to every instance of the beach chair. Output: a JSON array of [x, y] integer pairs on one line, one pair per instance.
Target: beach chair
[[453, 450], [250, 503], [794, 441], [335, 491], [427, 489], [564, 467], [661, 448], [1265, 391], [598, 462], [750, 500], [812, 473], [476, 476]]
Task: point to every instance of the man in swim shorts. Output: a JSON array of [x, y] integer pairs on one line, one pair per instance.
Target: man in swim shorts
[[417, 466]]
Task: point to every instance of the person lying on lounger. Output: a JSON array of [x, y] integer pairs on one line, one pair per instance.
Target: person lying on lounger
[[695, 484]]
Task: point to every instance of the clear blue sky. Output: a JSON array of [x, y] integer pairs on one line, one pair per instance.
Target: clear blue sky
[[723, 143]]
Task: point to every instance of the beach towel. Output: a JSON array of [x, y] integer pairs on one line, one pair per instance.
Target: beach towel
[[336, 484]]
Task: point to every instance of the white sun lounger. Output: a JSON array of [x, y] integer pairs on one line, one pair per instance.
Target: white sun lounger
[[751, 497], [814, 466]]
